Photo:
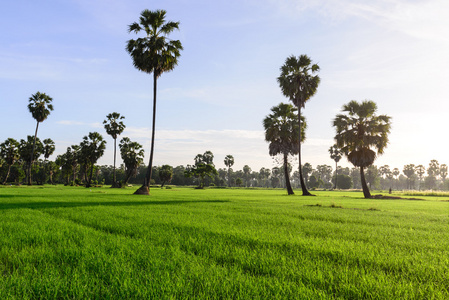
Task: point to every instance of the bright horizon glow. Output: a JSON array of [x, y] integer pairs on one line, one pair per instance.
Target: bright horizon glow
[[391, 52]]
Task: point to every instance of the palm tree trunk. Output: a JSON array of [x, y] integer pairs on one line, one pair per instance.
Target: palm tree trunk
[[287, 176], [365, 188], [30, 180], [305, 192], [336, 176], [7, 174], [114, 184], [145, 188]]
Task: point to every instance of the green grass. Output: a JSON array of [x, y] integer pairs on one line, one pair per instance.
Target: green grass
[[100, 243]]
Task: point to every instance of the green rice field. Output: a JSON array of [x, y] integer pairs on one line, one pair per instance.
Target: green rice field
[[61, 242]]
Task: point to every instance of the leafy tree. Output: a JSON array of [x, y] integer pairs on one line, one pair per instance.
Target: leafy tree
[[443, 171], [306, 170], [92, 148], [420, 170], [409, 171], [114, 127], [39, 107], [165, 174], [229, 162], [49, 148], [298, 83], [264, 174], [344, 181], [203, 167], [155, 53], [246, 174], [132, 154], [359, 131], [30, 150], [336, 155], [9, 152], [434, 168], [282, 132]]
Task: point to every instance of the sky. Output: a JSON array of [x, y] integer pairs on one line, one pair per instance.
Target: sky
[[394, 52]]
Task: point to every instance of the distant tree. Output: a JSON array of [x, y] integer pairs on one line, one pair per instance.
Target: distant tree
[[229, 162], [443, 171], [203, 167], [358, 131], [49, 148], [114, 127], [132, 154], [307, 170], [336, 155], [344, 181], [420, 170], [165, 174], [325, 173], [434, 168], [92, 148], [264, 174], [9, 152], [247, 174], [282, 133], [155, 53], [30, 150], [409, 172], [299, 84], [238, 181], [39, 107]]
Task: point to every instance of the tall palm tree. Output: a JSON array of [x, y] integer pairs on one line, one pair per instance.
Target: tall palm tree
[[298, 83], [156, 54], [282, 132], [114, 127], [229, 162], [336, 156], [359, 131], [9, 151], [39, 107]]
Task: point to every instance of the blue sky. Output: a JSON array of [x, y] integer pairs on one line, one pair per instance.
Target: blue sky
[[392, 52]]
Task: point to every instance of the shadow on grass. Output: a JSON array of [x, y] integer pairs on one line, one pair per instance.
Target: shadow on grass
[[47, 204]]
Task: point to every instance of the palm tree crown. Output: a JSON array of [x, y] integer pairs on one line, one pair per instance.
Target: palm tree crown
[[113, 125], [282, 129], [154, 53], [297, 79], [360, 130], [40, 106]]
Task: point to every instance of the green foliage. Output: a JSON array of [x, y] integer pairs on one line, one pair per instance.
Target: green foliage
[[165, 174], [132, 155]]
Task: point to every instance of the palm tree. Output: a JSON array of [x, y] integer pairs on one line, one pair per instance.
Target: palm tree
[[9, 151], [298, 83], [39, 107], [91, 149], [229, 162], [156, 54], [281, 131], [336, 156], [114, 127], [49, 148], [132, 155], [359, 131]]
